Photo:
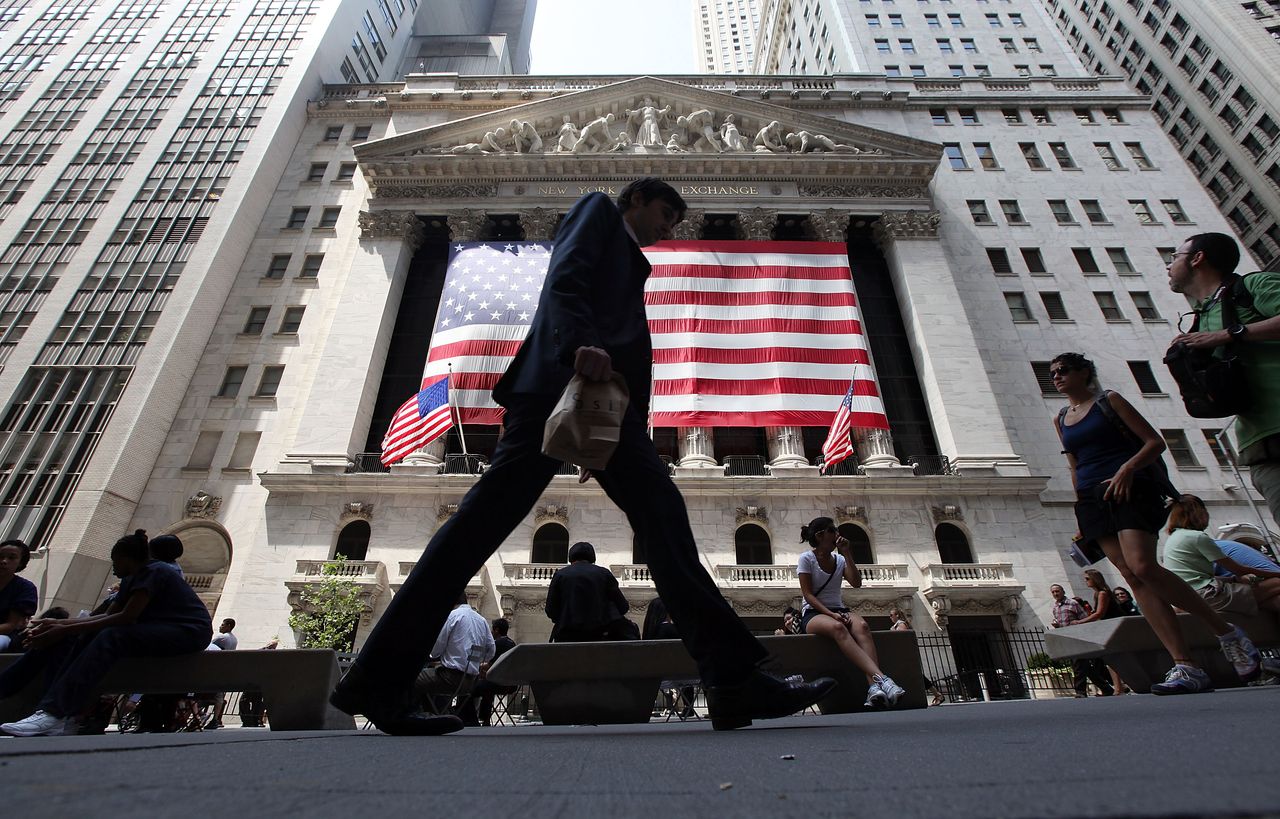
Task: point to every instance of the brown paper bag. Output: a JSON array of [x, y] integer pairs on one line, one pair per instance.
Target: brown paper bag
[[584, 427]]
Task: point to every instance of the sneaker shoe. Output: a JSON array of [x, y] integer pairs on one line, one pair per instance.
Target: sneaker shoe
[[1183, 679], [890, 689], [876, 697], [1242, 653], [40, 724]]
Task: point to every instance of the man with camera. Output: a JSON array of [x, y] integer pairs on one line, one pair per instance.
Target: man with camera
[[1241, 314]]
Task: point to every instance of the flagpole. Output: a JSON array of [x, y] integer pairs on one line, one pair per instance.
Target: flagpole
[[457, 413]]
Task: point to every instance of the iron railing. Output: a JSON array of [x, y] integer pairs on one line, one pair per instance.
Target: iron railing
[[459, 464], [932, 465], [849, 466], [749, 465], [974, 666], [366, 462]]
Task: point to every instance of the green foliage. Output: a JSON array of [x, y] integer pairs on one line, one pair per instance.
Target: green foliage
[[330, 610], [1041, 661]]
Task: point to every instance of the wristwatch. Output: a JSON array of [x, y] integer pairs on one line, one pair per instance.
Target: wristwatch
[[1237, 331]]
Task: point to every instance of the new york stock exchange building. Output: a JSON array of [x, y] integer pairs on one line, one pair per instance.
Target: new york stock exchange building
[[986, 225]]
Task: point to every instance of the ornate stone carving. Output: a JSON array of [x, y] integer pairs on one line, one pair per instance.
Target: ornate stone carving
[[391, 224], [770, 139], [648, 119], [786, 446], [567, 137], [467, 225], [445, 511], [851, 514], [551, 513], [358, 509], [754, 514], [941, 609], [203, 505], [757, 223], [865, 191], [947, 511], [436, 191], [908, 224], [805, 142], [830, 225], [596, 136], [539, 224], [525, 138], [731, 136], [697, 448], [691, 226], [875, 447]]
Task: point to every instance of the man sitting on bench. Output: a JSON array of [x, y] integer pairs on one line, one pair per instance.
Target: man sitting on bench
[[464, 642]]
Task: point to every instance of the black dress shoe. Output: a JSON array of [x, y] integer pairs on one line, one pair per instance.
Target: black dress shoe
[[390, 714], [762, 696]]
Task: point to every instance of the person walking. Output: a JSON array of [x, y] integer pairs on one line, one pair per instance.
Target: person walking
[[820, 571], [590, 321], [1067, 611], [1112, 452]]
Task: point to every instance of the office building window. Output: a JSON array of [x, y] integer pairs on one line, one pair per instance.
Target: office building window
[[955, 156], [978, 210], [279, 264], [256, 321], [1019, 310], [269, 384], [292, 320], [311, 265], [231, 382], [1144, 305], [1054, 306], [1176, 214], [986, 157], [298, 218], [329, 217], [1093, 211], [1120, 260], [1108, 305], [1061, 212], [1062, 155], [1084, 258], [1143, 212], [316, 173], [1145, 378], [1030, 153], [1033, 259], [999, 258], [1012, 212], [1179, 448]]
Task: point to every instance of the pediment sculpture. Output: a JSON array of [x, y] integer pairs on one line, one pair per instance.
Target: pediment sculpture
[[650, 129]]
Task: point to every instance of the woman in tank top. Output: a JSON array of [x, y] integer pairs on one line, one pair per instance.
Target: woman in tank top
[[1120, 507], [820, 572]]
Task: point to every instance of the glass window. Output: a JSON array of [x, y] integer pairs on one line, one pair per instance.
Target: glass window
[[1045, 381], [256, 321], [311, 265], [1012, 116], [1033, 259], [269, 384], [1220, 454], [1145, 378], [1108, 305], [292, 320], [968, 116], [978, 210], [1176, 214], [945, 47], [939, 116], [1012, 212], [333, 133], [999, 258], [1040, 116], [329, 217], [1054, 306], [231, 382], [316, 173], [1084, 116], [1108, 156], [346, 172], [1143, 211], [1144, 305], [361, 133], [1138, 155], [1030, 153], [1120, 260], [1179, 448], [955, 156], [1093, 211], [279, 264], [986, 157], [1084, 258], [1062, 155], [1019, 310], [1113, 116], [298, 218], [1061, 212]]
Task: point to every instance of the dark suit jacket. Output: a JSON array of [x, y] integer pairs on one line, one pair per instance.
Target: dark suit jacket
[[593, 297], [584, 596], [501, 645]]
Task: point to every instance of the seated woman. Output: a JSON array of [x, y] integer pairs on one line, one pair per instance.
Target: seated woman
[[820, 572], [18, 596], [156, 614], [1192, 555], [1105, 607]]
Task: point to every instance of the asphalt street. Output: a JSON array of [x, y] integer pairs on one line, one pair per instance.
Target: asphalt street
[[1204, 755]]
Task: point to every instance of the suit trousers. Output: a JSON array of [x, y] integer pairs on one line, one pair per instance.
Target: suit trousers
[[636, 480]]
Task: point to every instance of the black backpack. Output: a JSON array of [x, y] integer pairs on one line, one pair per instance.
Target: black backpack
[[1157, 472], [1213, 382]]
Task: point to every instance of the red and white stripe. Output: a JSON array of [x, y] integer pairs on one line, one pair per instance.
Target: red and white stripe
[[409, 433]]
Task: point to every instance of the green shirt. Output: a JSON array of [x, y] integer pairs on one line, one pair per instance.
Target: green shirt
[[1260, 358], [1190, 555]]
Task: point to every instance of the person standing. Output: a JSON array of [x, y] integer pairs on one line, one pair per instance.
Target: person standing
[[1113, 454], [1105, 607], [1203, 269], [590, 321], [1066, 612]]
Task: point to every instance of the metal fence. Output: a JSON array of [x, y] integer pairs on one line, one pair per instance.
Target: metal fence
[[972, 666]]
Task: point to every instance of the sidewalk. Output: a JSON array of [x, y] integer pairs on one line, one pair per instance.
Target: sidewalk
[[1121, 756]]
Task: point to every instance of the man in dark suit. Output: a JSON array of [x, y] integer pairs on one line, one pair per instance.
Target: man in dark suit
[[590, 320], [585, 603]]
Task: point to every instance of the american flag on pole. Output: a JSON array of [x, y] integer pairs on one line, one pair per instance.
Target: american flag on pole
[[839, 445], [744, 333], [419, 421]]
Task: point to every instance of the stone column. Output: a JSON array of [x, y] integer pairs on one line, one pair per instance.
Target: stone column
[[539, 224], [338, 408], [830, 225], [786, 452], [690, 228], [962, 405], [467, 225], [424, 461], [757, 224], [875, 448], [697, 451]]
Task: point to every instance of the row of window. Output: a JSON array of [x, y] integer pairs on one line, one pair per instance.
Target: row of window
[[280, 262], [1020, 70], [1063, 215], [268, 383], [1061, 154], [1008, 45], [298, 217], [1084, 257], [954, 19], [318, 171], [359, 133], [206, 447], [257, 320], [1055, 308], [1035, 116]]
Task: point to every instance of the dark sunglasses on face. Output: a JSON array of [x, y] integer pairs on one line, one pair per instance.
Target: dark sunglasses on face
[[1059, 371]]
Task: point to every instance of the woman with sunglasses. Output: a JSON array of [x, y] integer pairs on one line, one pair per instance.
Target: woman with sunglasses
[[1120, 506], [820, 572]]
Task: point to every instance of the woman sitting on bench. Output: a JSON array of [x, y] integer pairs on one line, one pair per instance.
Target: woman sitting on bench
[[156, 614]]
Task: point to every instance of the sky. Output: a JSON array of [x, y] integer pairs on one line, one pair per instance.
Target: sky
[[613, 37]]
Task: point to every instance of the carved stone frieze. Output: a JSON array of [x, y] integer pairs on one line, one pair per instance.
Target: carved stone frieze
[[753, 514], [467, 225], [392, 224], [458, 191], [757, 224], [361, 510], [947, 511], [445, 511], [830, 225], [865, 191], [691, 226], [539, 224], [551, 513], [851, 514], [203, 505], [908, 224]]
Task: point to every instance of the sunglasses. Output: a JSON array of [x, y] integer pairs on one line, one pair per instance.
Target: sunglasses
[[1059, 371]]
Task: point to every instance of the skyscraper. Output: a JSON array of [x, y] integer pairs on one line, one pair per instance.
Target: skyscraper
[[143, 141], [725, 31], [1213, 70]]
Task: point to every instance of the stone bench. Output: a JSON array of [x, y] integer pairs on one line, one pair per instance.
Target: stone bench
[[612, 683], [1128, 645], [294, 683]]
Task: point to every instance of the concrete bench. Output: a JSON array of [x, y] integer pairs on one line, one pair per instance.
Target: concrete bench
[[612, 683], [1128, 645], [294, 683]]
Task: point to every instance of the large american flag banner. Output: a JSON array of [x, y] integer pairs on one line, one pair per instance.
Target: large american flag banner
[[744, 333]]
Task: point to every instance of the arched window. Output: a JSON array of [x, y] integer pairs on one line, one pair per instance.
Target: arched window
[[551, 544], [353, 540], [751, 545], [859, 543], [953, 544]]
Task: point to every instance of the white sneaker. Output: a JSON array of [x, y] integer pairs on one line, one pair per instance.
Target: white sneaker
[[1242, 653], [40, 724], [890, 689], [875, 696]]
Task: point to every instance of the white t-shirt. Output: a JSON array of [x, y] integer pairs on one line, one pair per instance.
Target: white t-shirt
[[225, 641], [830, 594]]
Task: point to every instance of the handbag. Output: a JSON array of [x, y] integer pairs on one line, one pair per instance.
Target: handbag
[[1213, 383]]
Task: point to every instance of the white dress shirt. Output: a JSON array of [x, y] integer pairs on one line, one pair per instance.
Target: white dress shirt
[[464, 629]]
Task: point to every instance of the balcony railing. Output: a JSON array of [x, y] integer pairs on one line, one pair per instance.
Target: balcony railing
[[931, 465], [206, 583], [849, 466], [745, 465], [366, 462], [633, 573], [969, 574], [531, 573], [361, 571], [873, 575], [459, 464]]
